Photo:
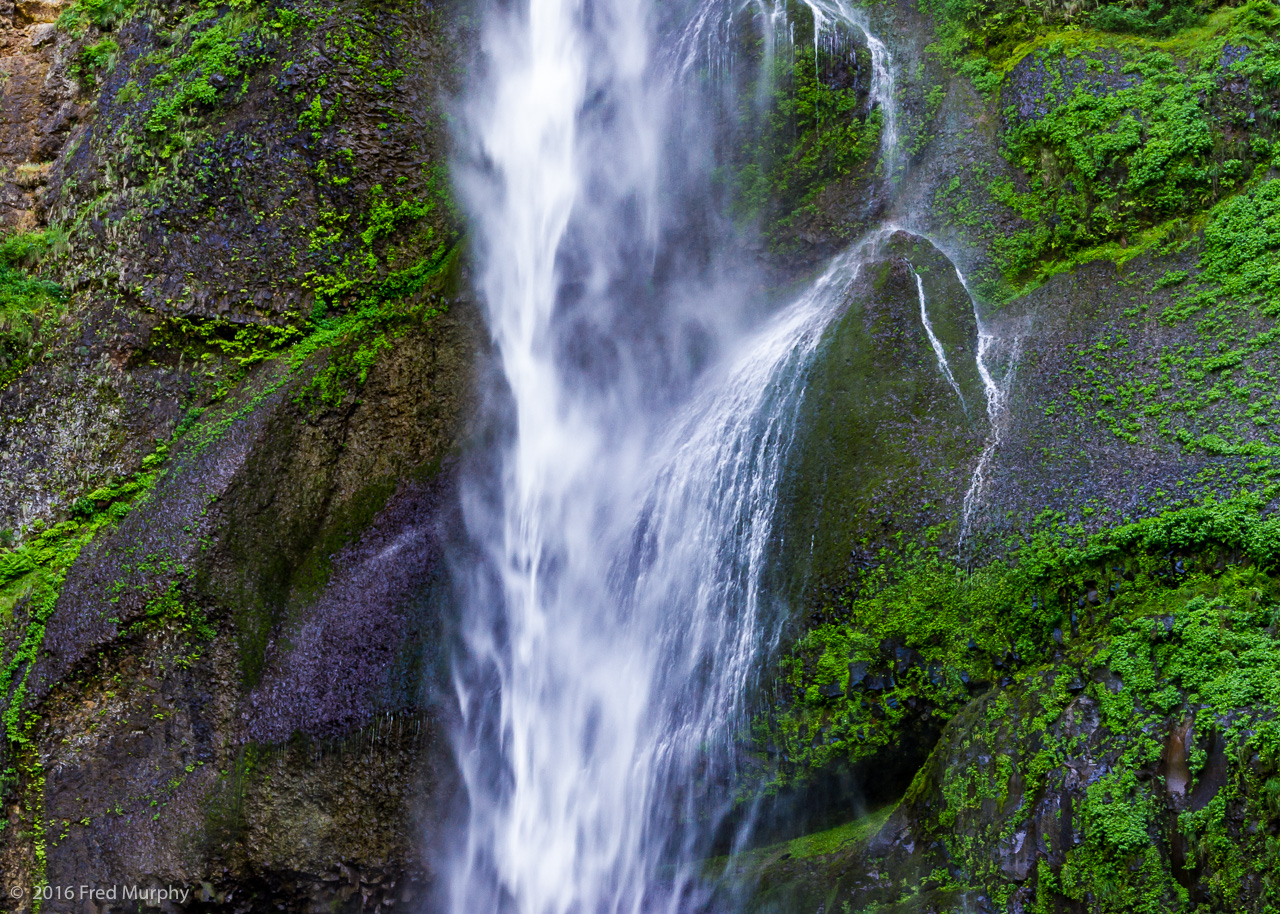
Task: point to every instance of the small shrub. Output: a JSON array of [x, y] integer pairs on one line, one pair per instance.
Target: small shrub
[[103, 14]]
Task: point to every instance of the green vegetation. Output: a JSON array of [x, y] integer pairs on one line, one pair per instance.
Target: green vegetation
[[1212, 386], [984, 38], [1143, 142], [1170, 624], [32, 574], [1202, 655], [1129, 121], [814, 130], [27, 304], [100, 14], [93, 60], [215, 52], [296, 212], [834, 839], [911, 637]]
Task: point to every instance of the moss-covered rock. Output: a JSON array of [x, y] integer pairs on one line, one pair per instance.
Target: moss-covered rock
[[891, 425], [1131, 770]]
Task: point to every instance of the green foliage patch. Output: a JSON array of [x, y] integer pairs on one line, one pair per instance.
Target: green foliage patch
[[219, 49], [101, 14], [31, 576], [93, 60], [1204, 656], [1108, 166], [916, 634], [1212, 386], [27, 304], [1160, 719]]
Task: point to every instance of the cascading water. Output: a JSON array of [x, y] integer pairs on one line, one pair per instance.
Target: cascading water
[[883, 86], [616, 614], [611, 632]]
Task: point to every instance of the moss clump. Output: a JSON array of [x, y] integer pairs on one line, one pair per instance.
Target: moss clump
[[1143, 138], [101, 14], [1201, 659], [981, 38]]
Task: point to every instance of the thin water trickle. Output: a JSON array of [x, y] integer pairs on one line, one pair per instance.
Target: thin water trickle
[[933, 337], [996, 393]]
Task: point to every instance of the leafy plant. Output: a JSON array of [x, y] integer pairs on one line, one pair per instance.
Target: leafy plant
[[27, 303], [102, 14]]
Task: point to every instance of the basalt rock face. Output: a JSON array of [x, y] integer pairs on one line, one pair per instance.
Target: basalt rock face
[[40, 108], [239, 683], [227, 462]]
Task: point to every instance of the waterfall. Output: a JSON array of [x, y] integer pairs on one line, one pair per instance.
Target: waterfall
[[615, 614], [613, 608], [883, 85]]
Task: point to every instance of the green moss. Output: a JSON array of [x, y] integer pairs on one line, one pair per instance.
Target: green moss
[[1107, 166], [926, 631], [832, 840], [1167, 623], [94, 60], [219, 46], [1213, 388], [102, 14]]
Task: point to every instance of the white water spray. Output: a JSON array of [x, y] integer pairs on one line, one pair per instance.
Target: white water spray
[[612, 628]]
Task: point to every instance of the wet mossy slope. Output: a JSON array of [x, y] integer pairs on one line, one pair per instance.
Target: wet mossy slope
[[1074, 677], [235, 365]]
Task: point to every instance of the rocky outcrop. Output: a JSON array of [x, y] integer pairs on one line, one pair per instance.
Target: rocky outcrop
[[40, 104], [272, 607], [1133, 772], [1132, 380], [891, 427]]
